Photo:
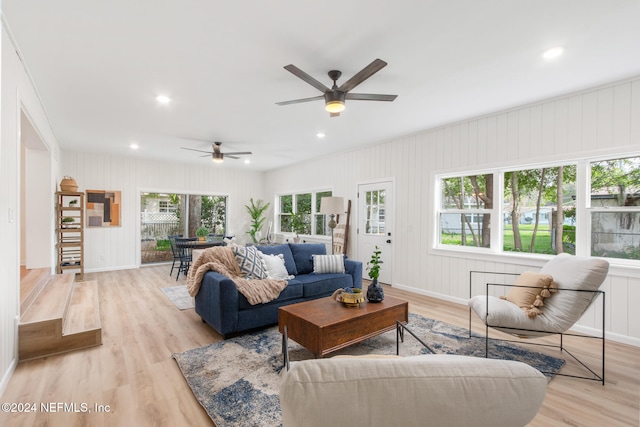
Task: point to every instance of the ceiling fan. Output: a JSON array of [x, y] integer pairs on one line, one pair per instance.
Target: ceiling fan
[[218, 156], [335, 97]]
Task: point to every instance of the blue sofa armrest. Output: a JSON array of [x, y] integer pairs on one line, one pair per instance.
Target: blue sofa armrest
[[217, 302], [354, 268]]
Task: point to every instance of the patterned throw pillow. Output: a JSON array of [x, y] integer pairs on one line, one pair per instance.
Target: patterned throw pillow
[[323, 264], [250, 262]]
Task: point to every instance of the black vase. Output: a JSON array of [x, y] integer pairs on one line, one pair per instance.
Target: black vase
[[375, 293]]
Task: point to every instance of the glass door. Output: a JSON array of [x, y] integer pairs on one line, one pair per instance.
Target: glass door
[[165, 214]]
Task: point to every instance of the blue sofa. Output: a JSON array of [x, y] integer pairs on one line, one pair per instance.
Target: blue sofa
[[219, 303]]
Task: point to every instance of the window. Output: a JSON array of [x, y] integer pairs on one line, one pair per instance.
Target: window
[[302, 209], [321, 220], [166, 206], [374, 206], [536, 203], [465, 210], [162, 215], [586, 207], [615, 208]]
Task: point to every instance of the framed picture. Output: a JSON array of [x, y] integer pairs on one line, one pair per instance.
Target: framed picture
[[104, 208]]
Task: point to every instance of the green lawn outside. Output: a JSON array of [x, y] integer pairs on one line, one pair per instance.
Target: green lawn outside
[[542, 243]]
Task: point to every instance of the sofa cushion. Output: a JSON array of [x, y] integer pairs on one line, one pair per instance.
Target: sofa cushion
[[292, 291], [250, 262], [328, 264], [303, 255], [323, 284], [283, 249]]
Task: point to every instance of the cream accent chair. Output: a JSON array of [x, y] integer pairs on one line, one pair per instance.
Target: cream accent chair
[[578, 280], [427, 390]]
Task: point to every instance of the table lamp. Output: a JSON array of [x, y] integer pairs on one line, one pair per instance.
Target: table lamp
[[332, 206]]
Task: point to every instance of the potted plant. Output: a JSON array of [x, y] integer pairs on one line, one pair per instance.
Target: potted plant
[[375, 293], [67, 221], [256, 211], [73, 203], [202, 233], [298, 225]]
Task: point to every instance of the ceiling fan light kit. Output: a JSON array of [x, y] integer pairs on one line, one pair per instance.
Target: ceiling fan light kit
[[335, 97]]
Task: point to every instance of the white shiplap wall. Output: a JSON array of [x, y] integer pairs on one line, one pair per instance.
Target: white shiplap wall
[[599, 121], [17, 94], [119, 247]]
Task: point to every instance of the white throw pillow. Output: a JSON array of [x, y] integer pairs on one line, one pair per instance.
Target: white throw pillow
[[274, 267], [323, 264]]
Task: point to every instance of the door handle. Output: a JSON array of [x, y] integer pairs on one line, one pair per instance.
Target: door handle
[[389, 241]]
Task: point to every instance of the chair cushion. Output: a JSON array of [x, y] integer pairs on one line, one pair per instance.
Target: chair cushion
[[529, 290], [561, 311], [303, 255], [573, 272], [328, 264]]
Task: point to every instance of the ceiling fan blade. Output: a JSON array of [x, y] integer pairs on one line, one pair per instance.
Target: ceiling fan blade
[[363, 75], [227, 156], [206, 155], [193, 149], [238, 153], [306, 77], [370, 97], [334, 114], [297, 101]]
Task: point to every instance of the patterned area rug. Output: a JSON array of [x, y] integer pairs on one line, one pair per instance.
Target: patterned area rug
[[179, 296], [236, 380]]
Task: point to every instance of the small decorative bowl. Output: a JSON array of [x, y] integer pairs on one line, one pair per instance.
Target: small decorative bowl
[[350, 299]]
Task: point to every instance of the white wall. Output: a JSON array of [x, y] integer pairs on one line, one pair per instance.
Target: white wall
[[16, 93], [119, 247], [602, 120]]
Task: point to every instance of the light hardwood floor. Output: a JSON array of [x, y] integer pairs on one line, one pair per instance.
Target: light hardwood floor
[[134, 374]]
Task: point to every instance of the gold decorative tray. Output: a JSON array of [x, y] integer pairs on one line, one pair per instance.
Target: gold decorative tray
[[350, 299]]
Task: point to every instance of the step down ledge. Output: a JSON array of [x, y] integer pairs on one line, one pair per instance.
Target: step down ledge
[[53, 300]]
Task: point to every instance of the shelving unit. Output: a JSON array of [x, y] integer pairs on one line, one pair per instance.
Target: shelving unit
[[70, 233]]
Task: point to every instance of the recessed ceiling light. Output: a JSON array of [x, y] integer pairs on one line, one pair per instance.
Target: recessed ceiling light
[[163, 99], [134, 146], [553, 53], [320, 135], [247, 161]]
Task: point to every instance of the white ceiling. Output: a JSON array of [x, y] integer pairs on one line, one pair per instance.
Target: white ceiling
[[98, 66]]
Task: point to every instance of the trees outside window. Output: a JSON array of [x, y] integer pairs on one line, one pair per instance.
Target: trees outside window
[[615, 208], [465, 210], [536, 204], [307, 207], [541, 211]]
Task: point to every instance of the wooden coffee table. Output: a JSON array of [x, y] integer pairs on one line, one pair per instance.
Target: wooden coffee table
[[323, 325]]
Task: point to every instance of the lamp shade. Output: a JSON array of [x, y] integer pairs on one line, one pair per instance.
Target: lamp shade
[[332, 205]]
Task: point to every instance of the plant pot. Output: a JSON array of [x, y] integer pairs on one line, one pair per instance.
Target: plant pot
[[375, 293]]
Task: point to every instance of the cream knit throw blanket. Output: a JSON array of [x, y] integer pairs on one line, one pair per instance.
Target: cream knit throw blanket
[[222, 259]]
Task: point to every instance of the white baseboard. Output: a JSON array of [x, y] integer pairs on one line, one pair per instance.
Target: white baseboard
[[624, 339], [7, 375]]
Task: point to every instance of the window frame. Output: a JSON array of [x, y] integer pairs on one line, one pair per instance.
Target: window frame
[[315, 210], [584, 210]]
